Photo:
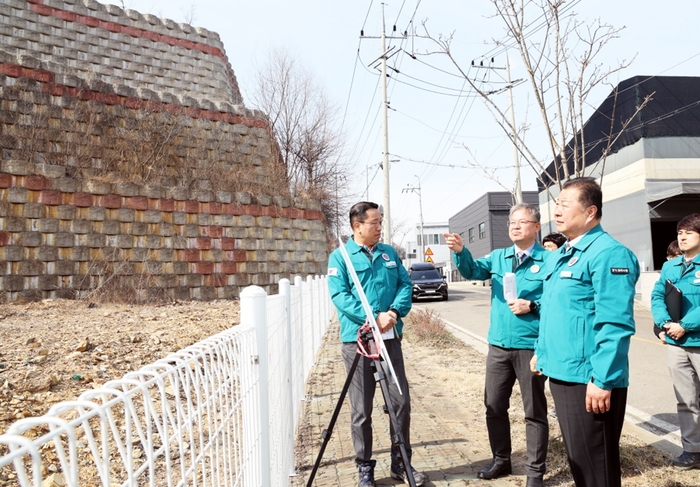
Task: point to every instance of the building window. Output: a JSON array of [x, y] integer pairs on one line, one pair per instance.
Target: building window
[[471, 235], [436, 239], [482, 230]]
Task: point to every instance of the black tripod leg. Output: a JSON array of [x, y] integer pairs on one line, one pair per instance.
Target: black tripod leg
[[398, 439], [326, 434]]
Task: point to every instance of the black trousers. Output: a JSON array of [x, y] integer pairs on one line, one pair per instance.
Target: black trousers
[[503, 367], [592, 440]]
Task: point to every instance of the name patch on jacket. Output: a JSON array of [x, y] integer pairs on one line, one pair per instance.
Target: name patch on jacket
[[619, 270]]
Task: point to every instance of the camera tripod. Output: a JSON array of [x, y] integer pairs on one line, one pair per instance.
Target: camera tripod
[[367, 348]]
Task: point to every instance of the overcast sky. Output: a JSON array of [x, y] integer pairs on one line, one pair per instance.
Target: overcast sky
[[427, 131]]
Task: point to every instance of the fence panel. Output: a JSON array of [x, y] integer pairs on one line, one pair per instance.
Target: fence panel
[[198, 417]]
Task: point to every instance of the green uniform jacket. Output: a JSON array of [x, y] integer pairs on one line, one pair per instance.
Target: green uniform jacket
[[508, 330], [688, 281], [587, 312], [385, 281]]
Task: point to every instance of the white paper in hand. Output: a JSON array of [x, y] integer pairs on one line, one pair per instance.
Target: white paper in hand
[[510, 289], [388, 335]]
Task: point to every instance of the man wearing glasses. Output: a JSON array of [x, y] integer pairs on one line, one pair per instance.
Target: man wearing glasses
[[388, 287], [511, 337]]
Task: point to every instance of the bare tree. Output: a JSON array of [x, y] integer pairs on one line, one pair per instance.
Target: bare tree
[[559, 53], [305, 126]]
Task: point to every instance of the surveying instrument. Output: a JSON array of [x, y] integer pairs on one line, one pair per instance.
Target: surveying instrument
[[370, 345]]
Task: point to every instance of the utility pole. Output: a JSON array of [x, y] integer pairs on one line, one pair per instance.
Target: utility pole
[[516, 159], [409, 189], [517, 191], [386, 230]]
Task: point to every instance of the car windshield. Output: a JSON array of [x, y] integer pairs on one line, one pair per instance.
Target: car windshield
[[422, 275]]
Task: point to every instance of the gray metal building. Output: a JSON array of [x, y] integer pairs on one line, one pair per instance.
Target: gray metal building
[[651, 177]]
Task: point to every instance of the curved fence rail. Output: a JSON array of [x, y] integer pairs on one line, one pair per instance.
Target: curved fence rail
[[199, 417]]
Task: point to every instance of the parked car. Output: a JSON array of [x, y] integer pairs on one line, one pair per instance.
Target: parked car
[[427, 282]]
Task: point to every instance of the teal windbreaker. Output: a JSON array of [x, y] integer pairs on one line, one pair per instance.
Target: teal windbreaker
[[587, 317], [385, 281], [688, 281], [508, 330]]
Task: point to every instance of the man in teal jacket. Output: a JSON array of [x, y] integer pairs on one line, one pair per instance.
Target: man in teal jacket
[[683, 336], [585, 329], [511, 336], [388, 288]]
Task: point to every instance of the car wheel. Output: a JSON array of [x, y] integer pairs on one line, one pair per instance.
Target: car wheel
[[444, 297]]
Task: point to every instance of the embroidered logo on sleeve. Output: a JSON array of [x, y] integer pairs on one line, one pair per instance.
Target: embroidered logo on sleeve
[[332, 271], [619, 270]]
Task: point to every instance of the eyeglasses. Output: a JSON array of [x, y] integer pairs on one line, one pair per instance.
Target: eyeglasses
[[374, 224], [519, 223]]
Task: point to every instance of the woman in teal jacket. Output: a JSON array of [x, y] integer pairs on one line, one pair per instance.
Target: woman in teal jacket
[[683, 336]]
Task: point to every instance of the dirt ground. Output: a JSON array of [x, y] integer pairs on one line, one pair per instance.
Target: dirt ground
[[51, 351]]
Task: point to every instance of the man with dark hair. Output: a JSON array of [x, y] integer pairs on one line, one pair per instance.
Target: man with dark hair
[[585, 329], [388, 288], [512, 333], [683, 336]]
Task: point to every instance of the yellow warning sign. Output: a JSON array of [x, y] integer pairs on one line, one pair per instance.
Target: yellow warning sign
[[429, 259], [428, 252]]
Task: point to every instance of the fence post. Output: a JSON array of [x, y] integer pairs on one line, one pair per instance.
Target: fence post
[[254, 312], [286, 292], [312, 317]]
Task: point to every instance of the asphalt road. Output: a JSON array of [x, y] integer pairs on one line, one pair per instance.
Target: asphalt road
[[651, 403]]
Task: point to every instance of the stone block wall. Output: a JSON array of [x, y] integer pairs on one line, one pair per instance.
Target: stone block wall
[[65, 238], [122, 48]]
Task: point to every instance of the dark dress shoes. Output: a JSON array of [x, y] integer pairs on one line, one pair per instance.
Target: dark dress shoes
[[494, 470], [534, 482]]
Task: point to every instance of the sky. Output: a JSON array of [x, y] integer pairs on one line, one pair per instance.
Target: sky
[[433, 133]]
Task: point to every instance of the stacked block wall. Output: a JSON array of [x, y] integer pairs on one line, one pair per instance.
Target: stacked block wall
[[122, 48], [64, 238]]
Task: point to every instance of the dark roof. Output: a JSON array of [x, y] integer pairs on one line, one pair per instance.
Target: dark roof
[[673, 111]]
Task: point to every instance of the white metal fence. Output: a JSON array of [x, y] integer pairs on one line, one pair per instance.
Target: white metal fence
[[199, 417]]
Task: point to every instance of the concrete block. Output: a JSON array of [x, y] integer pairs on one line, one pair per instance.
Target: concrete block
[[111, 227], [153, 216], [126, 215], [153, 241], [96, 240], [121, 241], [166, 229], [80, 226], [166, 255], [31, 268], [14, 224], [97, 213], [48, 225], [192, 230], [48, 283], [48, 253], [181, 268], [204, 219], [66, 212], [66, 185], [127, 189], [50, 170], [64, 239], [179, 242], [139, 228], [256, 232], [11, 253], [30, 239], [93, 186], [32, 210], [17, 168], [179, 218], [12, 283], [17, 195], [65, 268], [139, 254], [80, 254]]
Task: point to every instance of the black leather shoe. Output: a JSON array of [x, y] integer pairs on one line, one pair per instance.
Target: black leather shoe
[[494, 470], [534, 482]]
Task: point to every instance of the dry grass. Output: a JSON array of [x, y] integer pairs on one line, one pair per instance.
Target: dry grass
[[425, 327]]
